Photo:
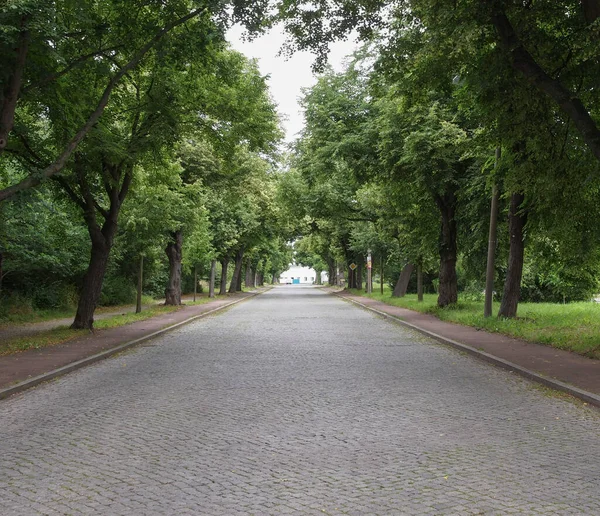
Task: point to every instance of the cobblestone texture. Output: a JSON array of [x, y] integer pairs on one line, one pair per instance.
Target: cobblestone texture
[[296, 403]]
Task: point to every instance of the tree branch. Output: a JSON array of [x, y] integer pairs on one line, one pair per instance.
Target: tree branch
[[60, 162], [523, 62]]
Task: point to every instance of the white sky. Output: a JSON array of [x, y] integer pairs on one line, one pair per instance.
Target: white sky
[[287, 77]]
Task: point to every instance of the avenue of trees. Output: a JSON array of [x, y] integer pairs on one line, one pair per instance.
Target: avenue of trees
[[448, 106], [135, 143]]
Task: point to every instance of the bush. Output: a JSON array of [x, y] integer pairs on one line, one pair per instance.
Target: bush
[[117, 290]]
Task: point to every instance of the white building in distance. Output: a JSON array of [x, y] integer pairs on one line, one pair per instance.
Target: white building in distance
[[297, 275]]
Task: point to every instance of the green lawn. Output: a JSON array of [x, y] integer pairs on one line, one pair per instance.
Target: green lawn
[[572, 326], [65, 334]]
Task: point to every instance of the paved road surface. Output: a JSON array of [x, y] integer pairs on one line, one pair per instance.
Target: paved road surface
[[296, 403]]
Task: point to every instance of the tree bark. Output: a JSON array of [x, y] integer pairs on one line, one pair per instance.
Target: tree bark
[[138, 302], [211, 281], [102, 238], [1, 272], [523, 62], [591, 10], [91, 289], [448, 289], [173, 250], [249, 281], [332, 280], [403, 280], [224, 267], [517, 219], [237, 271], [195, 282], [10, 95]]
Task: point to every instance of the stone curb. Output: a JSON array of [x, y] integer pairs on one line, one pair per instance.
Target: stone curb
[[36, 380], [588, 397]]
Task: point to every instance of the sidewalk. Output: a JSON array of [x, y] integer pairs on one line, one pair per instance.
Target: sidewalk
[[562, 370], [23, 370]]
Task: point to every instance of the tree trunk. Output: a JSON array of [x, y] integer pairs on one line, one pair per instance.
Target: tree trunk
[[224, 267], [92, 281], [211, 281], [403, 280], [318, 277], [237, 278], [512, 285], [195, 282], [173, 250], [420, 283], [1, 273], [249, 275], [273, 279], [138, 302], [591, 10], [491, 257], [10, 95], [331, 272], [448, 289]]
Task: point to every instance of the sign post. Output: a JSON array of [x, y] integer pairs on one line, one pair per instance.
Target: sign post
[[369, 272]]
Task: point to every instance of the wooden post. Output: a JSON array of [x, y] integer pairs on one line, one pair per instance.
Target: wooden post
[[138, 304]]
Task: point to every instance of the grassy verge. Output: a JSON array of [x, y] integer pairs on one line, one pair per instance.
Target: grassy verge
[[30, 315], [574, 326], [65, 334]]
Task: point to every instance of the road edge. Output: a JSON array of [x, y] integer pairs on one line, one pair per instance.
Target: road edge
[[55, 373], [586, 396]]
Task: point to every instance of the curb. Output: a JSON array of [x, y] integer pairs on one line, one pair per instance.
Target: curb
[[36, 380], [588, 397]]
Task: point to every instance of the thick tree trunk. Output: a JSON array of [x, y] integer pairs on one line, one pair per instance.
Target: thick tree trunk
[[332, 280], [237, 271], [512, 285], [491, 257], [93, 279], [403, 280], [224, 267], [419, 283], [173, 250], [211, 281], [10, 95], [250, 278], [273, 279], [448, 289], [591, 10], [318, 277], [138, 302]]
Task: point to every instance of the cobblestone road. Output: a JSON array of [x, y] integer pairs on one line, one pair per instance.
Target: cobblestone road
[[296, 403]]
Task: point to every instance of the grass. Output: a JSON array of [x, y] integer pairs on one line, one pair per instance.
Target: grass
[[65, 334], [28, 315], [573, 326]]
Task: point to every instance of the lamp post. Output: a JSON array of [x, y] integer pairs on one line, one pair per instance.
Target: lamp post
[[369, 271]]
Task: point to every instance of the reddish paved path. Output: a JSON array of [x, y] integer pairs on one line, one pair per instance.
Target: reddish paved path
[[564, 366], [28, 364]]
